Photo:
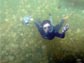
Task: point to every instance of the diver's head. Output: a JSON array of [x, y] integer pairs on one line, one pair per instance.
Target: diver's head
[[46, 26]]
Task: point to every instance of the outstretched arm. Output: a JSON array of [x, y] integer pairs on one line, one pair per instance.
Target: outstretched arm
[[50, 18], [60, 35], [58, 26], [38, 25], [40, 29]]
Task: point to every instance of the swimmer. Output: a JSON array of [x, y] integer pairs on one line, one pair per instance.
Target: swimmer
[[49, 31]]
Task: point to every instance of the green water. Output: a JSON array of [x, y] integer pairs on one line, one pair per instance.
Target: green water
[[23, 44]]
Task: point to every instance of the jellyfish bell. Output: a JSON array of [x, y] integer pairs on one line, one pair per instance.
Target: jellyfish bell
[[27, 19], [31, 19]]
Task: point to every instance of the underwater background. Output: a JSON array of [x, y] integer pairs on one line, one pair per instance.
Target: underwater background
[[23, 44]]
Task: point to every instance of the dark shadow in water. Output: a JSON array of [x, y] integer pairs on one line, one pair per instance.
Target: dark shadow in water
[[67, 59]]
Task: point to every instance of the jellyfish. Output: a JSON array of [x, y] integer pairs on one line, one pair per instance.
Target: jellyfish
[[27, 19]]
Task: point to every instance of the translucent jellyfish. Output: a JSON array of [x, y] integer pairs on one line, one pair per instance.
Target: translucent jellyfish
[[27, 19]]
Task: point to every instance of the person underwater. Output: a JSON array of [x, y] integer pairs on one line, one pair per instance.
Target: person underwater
[[49, 31]]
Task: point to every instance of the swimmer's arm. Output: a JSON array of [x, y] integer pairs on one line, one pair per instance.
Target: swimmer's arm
[[38, 24], [39, 27], [60, 35], [50, 18]]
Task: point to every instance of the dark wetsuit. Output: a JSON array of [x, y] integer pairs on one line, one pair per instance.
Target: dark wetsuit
[[52, 33]]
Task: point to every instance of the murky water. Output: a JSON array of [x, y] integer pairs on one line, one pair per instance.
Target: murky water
[[23, 44]]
